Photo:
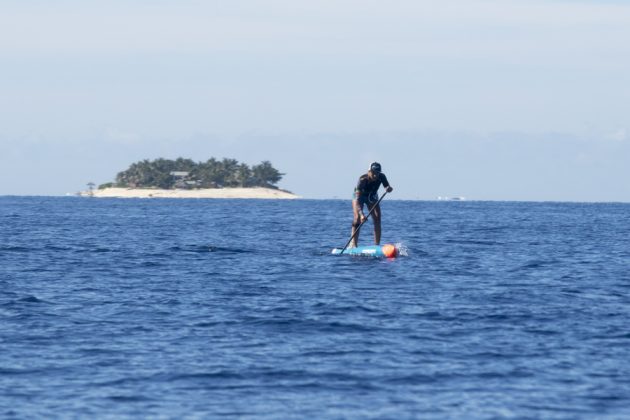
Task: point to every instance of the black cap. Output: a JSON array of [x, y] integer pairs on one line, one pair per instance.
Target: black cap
[[375, 167]]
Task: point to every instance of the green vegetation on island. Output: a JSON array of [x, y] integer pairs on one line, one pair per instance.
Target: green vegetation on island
[[186, 173]]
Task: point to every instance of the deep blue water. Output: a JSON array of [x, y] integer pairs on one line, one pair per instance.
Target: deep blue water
[[207, 308]]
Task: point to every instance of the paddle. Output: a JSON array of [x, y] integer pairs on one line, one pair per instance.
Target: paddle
[[365, 220]]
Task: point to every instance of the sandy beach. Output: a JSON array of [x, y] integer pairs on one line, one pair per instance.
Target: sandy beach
[[262, 193]]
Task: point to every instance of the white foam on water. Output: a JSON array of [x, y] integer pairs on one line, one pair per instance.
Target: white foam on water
[[403, 251]]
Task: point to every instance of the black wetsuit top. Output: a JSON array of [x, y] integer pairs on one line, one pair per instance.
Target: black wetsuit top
[[368, 188]]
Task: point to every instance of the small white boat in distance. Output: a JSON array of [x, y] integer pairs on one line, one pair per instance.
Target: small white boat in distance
[[451, 198]]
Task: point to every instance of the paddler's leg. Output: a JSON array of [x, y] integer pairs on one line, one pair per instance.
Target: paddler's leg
[[356, 221], [376, 217]]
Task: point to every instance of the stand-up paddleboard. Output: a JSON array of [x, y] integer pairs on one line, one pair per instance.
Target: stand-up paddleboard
[[379, 251]]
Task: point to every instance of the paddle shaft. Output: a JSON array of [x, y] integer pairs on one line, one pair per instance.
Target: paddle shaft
[[356, 231]]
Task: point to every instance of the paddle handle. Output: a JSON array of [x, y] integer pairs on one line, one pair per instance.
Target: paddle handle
[[366, 218]]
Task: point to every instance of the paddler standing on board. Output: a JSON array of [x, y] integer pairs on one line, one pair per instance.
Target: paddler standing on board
[[366, 192]]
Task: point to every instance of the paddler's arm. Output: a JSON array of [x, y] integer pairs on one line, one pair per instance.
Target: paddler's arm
[[355, 203], [385, 182], [357, 206]]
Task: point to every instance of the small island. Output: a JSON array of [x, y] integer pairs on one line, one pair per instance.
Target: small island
[[185, 178]]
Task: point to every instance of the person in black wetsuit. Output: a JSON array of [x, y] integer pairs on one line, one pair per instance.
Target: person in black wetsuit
[[366, 193]]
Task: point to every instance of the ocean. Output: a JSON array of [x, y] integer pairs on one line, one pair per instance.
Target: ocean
[[192, 308]]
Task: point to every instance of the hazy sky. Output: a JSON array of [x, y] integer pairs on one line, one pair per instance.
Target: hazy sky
[[487, 99]]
